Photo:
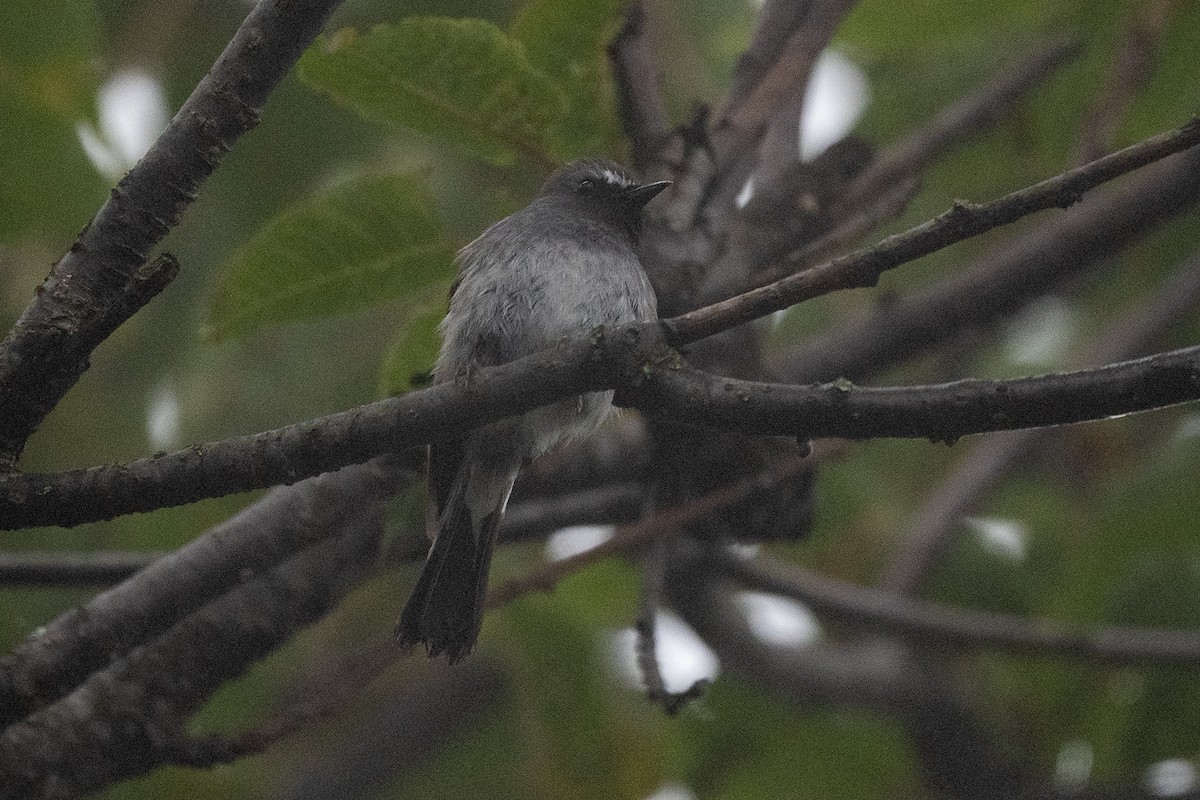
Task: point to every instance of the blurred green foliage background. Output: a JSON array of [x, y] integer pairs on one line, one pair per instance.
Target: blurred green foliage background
[[1110, 516]]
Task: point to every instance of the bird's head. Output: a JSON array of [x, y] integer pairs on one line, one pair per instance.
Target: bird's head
[[602, 190]]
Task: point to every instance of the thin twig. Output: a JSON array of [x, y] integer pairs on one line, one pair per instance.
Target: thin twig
[[886, 612], [632, 537], [639, 98], [977, 296], [963, 221], [536, 517], [974, 112], [59, 568]]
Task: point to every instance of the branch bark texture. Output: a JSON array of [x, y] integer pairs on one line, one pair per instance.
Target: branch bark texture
[[258, 538], [129, 718]]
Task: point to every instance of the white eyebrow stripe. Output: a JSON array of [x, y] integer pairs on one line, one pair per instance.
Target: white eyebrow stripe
[[615, 177]]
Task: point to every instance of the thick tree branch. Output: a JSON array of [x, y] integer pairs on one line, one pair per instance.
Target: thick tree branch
[[944, 412], [129, 718], [662, 385], [102, 280], [65, 651], [963, 221], [304, 449]]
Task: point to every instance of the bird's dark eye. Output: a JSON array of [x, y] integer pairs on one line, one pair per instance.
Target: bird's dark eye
[[587, 185]]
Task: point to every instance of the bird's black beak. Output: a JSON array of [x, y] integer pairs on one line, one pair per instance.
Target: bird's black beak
[[638, 196]]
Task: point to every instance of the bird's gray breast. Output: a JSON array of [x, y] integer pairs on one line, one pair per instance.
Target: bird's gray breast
[[525, 283], [530, 280]]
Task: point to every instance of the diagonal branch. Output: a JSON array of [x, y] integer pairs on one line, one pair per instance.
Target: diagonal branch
[[887, 612], [303, 449], [103, 279], [879, 190], [129, 717], [256, 539], [1061, 248], [963, 221], [990, 103]]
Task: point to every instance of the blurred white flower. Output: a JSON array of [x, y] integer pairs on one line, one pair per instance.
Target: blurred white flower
[[779, 620], [133, 111]]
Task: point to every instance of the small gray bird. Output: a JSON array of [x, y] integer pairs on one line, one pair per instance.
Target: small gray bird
[[564, 264]]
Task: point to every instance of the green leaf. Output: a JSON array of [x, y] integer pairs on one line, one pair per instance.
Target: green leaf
[[46, 50], [363, 242], [461, 81], [415, 347], [568, 39], [613, 755], [47, 85]]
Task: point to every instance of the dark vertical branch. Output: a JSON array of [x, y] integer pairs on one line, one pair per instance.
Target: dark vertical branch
[[780, 148], [103, 279], [1131, 69], [742, 122], [639, 99]]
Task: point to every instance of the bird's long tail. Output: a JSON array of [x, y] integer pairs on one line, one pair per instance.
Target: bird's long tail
[[445, 610]]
